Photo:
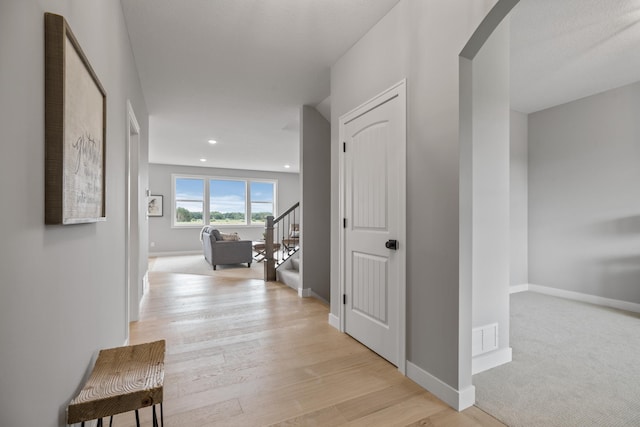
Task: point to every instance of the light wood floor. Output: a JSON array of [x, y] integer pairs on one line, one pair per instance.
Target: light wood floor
[[244, 353]]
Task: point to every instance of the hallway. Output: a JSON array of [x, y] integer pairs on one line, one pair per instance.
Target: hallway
[[244, 353]]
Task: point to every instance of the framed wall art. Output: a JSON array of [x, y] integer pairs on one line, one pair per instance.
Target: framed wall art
[[154, 206], [75, 130]]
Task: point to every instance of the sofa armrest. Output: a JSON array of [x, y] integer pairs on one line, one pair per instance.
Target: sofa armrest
[[231, 252]]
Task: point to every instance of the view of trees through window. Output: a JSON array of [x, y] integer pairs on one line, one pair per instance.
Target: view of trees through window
[[189, 202], [261, 201], [230, 201]]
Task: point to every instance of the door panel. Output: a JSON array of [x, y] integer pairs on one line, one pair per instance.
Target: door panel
[[370, 287], [369, 175]]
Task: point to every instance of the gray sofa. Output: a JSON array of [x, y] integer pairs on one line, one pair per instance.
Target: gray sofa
[[219, 252]]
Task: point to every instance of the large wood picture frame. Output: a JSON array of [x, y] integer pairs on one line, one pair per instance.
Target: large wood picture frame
[[75, 130]]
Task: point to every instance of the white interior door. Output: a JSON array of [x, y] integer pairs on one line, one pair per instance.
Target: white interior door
[[374, 209]]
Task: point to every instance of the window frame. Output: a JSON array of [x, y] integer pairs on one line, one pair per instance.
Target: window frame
[[174, 208], [246, 198], [250, 201], [206, 202]]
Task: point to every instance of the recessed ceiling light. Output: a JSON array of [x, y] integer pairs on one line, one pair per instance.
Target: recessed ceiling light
[[203, 160], [212, 141], [287, 166]]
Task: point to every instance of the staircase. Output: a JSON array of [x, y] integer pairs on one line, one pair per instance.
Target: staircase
[[282, 242], [289, 272]]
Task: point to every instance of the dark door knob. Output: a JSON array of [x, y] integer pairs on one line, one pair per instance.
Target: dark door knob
[[392, 244]]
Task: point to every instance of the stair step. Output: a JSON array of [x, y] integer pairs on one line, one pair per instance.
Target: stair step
[[290, 278]]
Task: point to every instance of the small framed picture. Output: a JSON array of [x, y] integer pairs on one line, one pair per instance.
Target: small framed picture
[[154, 206]]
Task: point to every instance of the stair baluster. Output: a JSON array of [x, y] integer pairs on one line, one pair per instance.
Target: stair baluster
[[277, 252]]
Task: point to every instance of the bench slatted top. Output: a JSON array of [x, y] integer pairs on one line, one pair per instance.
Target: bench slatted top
[[123, 379]]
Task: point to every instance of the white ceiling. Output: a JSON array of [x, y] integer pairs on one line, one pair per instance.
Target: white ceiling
[[563, 50], [237, 71]]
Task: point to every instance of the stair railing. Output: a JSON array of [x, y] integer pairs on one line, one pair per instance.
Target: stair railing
[[281, 240]]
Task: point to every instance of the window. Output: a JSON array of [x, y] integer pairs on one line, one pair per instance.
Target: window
[[189, 201], [229, 201], [262, 201]]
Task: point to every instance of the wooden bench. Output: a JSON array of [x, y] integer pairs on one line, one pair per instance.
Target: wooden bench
[[123, 379]]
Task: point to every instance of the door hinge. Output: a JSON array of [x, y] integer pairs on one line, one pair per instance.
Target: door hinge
[[344, 222], [344, 147], [344, 299]]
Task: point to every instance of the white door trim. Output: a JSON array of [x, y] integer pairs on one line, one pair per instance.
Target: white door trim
[[132, 299], [398, 90]]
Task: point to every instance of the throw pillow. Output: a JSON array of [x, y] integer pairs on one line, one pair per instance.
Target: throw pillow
[[230, 236]]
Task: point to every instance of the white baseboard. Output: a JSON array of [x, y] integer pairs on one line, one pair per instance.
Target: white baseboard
[[145, 284], [319, 298], [518, 288], [484, 362], [457, 399], [334, 321], [303, 293], [591, 299], [308, 292], [175, 253]]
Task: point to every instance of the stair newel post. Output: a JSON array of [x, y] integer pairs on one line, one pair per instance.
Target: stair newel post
[[269, 264]]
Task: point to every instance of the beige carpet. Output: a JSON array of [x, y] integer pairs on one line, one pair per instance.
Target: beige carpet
[[196, 264], [574, 365]]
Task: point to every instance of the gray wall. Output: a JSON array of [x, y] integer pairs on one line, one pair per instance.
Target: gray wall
[[490, 185], [519, 268], [315, 161], [62, 288], [584, 196], [419, 41], [167, 239]]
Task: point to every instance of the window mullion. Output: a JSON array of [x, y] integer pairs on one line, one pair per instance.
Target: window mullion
[[247, 200], [206, 216]]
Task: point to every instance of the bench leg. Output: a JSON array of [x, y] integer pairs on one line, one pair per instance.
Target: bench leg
[[111, 421], [155, 418], [137, 419], [161, 415]]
